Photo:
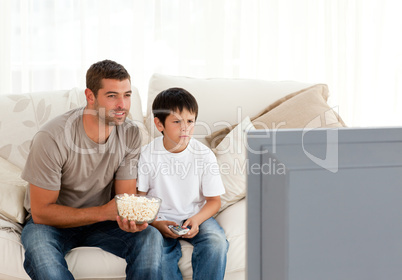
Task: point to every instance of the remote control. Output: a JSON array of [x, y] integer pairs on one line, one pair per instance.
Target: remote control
[[178, 229]]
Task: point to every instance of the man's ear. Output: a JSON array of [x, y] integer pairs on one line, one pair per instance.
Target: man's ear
[[90, 96], [159, 124]]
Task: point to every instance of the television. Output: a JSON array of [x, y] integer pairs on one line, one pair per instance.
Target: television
[[324, 204]]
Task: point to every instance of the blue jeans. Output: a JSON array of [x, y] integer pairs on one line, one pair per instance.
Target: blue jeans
[[209, 253], [46, 246]]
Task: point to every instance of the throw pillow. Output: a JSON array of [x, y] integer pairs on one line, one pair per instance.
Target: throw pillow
[[317, 94], [307, 108], [12, 192], [231, 155]]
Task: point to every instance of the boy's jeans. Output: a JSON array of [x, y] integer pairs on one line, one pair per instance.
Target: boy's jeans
[[46, 246], [209, 253]]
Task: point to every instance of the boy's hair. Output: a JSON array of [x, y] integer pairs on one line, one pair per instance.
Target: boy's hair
[[172, 100], [105, 69]]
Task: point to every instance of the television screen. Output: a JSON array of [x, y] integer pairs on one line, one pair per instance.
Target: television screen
[[324, 204]]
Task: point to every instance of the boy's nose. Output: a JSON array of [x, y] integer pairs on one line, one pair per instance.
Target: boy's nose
[[185, 127]]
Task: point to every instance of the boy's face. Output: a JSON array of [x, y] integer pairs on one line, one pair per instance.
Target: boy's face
[[177, 131]]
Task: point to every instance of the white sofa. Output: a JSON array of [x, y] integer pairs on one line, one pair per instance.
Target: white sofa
[[223, 103]]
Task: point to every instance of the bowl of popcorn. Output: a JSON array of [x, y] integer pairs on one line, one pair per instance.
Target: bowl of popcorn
[[138, 208]]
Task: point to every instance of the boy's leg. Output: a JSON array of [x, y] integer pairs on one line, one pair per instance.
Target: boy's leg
[[171, 257], [45, 248], [210, 249], [141, 250]]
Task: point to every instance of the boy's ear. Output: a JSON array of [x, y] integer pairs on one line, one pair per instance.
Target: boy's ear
[[158, 124]]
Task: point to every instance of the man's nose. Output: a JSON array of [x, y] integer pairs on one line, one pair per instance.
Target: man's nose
[[121, 102]]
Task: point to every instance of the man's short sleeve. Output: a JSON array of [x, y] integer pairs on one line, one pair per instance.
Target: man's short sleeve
[[128, 168], [44, 163]]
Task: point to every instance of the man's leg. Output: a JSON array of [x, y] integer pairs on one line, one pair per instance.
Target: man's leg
[[45, 248], [210, 249], [141, 250]]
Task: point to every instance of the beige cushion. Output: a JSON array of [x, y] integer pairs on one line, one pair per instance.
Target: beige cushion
[[307, 108], [233, 221], [231, 155], [12, 192], [20, 118], [222, 102], [303, 108], [137, 116]]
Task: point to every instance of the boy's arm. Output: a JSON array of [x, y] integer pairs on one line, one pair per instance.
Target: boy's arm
[[210, 208]]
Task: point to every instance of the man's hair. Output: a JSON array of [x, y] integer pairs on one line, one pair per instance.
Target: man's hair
[[172, 100], [105, 69]]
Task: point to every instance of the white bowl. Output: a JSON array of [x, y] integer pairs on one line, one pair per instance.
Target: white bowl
[[138, 208]]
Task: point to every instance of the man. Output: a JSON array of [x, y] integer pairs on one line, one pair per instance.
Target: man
[[76, 162]]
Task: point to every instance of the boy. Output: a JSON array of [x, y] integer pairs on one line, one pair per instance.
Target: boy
[[185, 175]]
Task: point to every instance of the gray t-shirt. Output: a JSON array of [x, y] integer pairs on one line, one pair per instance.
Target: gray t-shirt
[[63, 158]]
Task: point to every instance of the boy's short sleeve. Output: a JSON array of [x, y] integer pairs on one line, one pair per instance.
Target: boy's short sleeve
[[212, 184]]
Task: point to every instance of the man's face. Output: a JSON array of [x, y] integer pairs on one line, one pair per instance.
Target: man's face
[[178, 130], [113, 101]]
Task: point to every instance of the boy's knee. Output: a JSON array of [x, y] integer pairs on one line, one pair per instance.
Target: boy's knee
[[218, 242]]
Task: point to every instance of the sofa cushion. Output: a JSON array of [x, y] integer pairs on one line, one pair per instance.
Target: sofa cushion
[[222, 102], [12, 192], [307, 108], [95, 263], [21, 116], [231, 155], [137, 116], [233, 221], [12, 253]]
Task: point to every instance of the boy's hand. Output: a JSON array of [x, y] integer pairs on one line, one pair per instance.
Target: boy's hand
[[163, 228], [193, 223]]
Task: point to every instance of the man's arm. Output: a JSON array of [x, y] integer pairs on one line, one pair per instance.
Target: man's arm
[[125, 186], [45, 211]]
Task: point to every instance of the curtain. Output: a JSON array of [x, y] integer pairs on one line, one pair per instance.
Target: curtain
[[354, 46]]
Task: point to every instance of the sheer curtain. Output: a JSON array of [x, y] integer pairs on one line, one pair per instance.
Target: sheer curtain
[[354, 46]]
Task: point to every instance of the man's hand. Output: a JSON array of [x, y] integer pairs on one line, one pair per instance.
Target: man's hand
[[130, 226]]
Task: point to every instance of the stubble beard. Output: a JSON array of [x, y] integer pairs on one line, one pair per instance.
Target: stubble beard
[[105, 116]]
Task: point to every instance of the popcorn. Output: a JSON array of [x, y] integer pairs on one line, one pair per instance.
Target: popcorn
[[137, 208]]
